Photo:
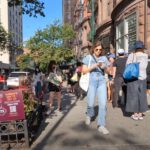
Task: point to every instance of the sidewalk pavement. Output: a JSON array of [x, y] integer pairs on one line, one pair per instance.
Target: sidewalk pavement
[[67, 130]]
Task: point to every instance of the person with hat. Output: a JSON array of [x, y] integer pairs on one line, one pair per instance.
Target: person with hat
[[118, 67], [136, 89]]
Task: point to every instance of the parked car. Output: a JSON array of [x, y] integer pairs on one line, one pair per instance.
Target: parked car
[[14, 78]]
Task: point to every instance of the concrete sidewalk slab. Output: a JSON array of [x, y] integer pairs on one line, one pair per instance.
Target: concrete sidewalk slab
[[67, 131]]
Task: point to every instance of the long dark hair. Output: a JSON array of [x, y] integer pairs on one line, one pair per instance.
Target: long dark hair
[[37, 70], [51, 66]]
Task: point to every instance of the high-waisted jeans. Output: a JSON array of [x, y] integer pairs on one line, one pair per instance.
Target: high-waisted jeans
[[97, 87]]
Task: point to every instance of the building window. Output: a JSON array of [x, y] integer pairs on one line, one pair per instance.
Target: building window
[[106, 42], [120, 35], [131, 22], [126, 32]]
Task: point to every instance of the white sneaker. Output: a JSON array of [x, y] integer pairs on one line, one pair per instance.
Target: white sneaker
[[140, 118], [88, 120], [103, 130]]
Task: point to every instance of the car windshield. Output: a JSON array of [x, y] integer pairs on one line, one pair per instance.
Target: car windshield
[[16, 74]]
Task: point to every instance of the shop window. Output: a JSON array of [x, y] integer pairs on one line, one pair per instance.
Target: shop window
[[126, 32]]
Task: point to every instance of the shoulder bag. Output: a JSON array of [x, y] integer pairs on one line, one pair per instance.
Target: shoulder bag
[[131, 71], [85, 78], [74, 78]]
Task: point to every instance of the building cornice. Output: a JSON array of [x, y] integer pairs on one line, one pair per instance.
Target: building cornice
[[84, 20], [79, 24], [121, 6], [103, 26]]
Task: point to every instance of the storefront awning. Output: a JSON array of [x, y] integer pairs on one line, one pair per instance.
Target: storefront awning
[[4, 66]]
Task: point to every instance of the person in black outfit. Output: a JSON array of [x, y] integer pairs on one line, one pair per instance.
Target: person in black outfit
[[119, 66], [148, 76], [70, 82]]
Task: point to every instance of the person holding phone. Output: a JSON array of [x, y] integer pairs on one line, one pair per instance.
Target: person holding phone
[[97, 85]]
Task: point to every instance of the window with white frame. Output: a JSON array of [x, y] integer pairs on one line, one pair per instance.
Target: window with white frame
[[120, 35], [126, 32], [131, 22]]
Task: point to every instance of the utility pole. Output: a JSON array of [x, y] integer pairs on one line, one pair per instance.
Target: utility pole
[[92, 21]]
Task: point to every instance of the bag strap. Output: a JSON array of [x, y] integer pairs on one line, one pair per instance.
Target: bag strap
[[134, 56], [89, 62], [98, 67]]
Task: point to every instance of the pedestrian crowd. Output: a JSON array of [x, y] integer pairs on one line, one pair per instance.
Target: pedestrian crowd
[[108, 82]]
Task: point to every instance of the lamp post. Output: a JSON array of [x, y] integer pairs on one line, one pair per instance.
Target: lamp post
[[92, 21]]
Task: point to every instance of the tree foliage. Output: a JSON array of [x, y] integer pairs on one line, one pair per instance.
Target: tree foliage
[[50, 43], [25, 61], [30, 7], [4, 37]]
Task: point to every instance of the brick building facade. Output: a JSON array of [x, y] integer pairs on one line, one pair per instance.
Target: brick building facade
[[117, 23], [68, 11]]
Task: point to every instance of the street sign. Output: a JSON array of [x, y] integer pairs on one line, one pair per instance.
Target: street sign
[[11, 105]]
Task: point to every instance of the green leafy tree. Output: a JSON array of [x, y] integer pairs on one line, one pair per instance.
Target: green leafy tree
[[50, 43], [30, 7], [25, 61], [4, 38]]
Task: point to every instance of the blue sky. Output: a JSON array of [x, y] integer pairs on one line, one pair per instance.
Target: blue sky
[[53, 11]]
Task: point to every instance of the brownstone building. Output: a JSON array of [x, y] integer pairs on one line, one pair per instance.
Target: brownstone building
[[117, 23], [82, 16], [68, 11]]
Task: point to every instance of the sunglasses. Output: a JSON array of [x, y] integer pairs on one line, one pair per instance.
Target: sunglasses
[[98, 49]]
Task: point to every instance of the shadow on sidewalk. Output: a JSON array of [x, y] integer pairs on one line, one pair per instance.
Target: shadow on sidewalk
[[86, 137], [125, 114], [68, 102]]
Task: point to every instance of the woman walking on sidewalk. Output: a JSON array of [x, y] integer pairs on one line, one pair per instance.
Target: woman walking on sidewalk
[[55, 81], [97, 85], [136, 89]]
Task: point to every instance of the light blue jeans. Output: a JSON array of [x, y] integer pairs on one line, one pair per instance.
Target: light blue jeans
[[97, 87]]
